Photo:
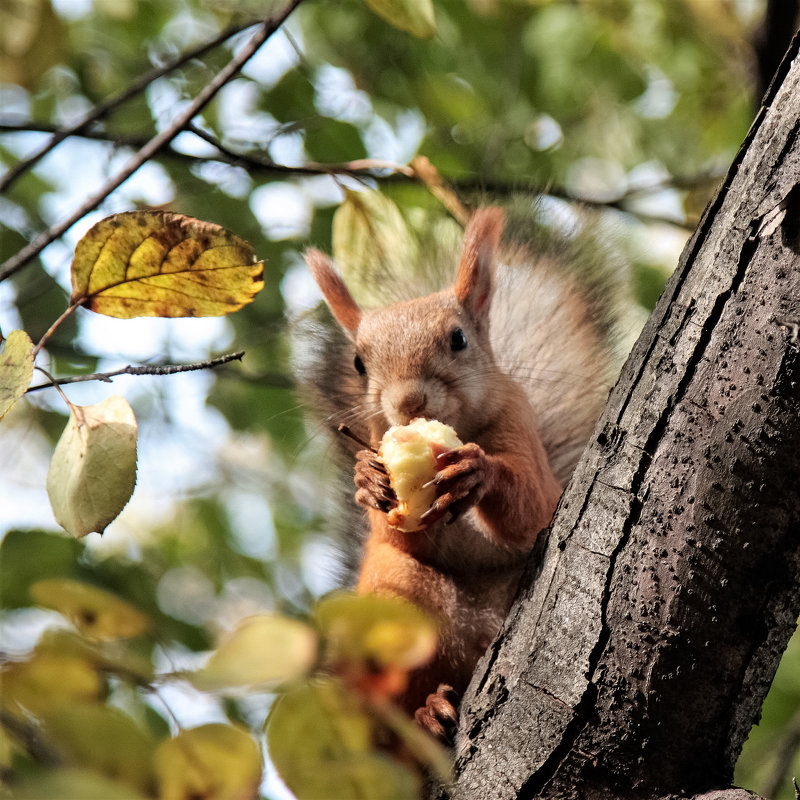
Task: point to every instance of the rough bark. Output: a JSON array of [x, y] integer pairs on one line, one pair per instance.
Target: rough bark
[[654, 616]]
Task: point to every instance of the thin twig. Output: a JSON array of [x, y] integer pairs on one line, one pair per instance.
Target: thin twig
[[164, 369], [209, 91], [103, 109], [345, 429]]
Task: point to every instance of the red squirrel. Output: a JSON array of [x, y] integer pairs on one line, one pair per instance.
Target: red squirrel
[[514, 358]]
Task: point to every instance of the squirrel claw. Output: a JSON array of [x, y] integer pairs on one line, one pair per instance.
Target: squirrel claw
[[373, 489], [438, 716]]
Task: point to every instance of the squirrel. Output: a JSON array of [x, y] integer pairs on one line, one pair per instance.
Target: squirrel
[[516, 356]]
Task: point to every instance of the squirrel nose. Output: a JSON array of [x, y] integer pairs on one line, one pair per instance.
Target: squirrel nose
[[412, 405]]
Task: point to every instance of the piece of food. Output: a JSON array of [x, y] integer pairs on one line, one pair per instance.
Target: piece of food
[[409, 454]]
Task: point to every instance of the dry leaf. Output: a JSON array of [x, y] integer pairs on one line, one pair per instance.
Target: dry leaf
[[159, 264]]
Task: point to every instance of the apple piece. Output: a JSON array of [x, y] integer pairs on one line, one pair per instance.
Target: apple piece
[[409, 454]]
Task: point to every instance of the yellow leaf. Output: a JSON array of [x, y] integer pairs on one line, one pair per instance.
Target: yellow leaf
[[372, 244], [97, 613], [104, 739], [16, 369], [413, 16], [319, 738], [263, 651], [159, 264], [215, 762], [382, 631], [48, 681], [93, 470]]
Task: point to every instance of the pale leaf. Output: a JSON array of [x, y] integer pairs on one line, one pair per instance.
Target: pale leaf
[[16, 368], [93, 470], [265, 650], [372, 244]]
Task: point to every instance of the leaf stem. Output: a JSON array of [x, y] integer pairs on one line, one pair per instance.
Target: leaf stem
[[53, 382]]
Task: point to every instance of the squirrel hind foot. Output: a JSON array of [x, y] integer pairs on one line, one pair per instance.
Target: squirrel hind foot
[[439, 715]]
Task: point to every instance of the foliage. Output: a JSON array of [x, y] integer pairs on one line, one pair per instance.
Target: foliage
[[631, 107]]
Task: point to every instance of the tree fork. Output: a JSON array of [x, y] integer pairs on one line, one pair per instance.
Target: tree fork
[[653, 617]]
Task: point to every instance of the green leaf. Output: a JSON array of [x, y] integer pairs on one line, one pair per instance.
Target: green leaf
[[50, 680], [159, 264], [215, 762], [16, 369], [26, 556], [93, 471], [74, 783], [264, 651], [104, 739], [413, 16], [319, 738], [332, 140], [97, 613]]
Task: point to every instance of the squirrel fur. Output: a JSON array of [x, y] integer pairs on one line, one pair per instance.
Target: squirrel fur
[[516, 356]]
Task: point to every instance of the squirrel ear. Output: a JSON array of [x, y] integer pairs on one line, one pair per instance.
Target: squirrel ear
[[338, 297], [475, 279]]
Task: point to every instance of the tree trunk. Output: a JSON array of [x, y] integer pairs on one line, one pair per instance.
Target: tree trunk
[[654, 615]]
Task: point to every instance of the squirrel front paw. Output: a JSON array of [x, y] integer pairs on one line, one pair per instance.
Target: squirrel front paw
[[439, 716], [460, 482], [373, 489]]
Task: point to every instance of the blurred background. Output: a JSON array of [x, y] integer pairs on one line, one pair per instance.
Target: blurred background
[[631, 109]]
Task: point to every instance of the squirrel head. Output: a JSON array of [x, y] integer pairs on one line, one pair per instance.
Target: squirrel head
[[431, 356]]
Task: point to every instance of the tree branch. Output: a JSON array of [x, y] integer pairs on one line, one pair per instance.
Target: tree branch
[[772, 38], [652, 619], [266, 29], [103, 109], [376, 169], [164, 369]]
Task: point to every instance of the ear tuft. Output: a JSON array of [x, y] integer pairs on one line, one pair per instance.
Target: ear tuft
[[337, 296], [475, 279]]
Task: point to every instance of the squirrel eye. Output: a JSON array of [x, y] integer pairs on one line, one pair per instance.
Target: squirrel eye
[[457, 340], [359, 365]]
